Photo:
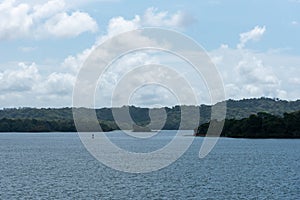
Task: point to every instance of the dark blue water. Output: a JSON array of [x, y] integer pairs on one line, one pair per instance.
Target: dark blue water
[[57, 166]]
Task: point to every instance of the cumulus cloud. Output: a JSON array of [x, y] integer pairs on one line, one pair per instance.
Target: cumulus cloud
[[27, 86], [74, 62], [64, 25], [15, 19], [153, 17], [253, 35], [153, 96], [117, 25], [248, 74], [245, 73], [19, 20], [50, 8], [256, 79], [20, 80], [255, 75], [59, 84]]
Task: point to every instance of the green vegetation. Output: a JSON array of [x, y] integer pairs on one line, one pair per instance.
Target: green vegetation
[[61, 119], [261, 125], [34, 125]]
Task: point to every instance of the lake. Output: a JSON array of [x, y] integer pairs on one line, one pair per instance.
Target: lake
[[57, 166]]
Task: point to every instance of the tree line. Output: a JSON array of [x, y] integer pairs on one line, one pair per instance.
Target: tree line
[[260, 125], [38, 125], [61, 119], [237, 109]]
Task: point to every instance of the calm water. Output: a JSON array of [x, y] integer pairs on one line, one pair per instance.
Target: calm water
[[57, 166]]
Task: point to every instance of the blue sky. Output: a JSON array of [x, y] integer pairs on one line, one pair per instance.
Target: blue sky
[[254, 44]]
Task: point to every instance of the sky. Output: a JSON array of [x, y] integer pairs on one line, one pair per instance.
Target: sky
[[254, 45]]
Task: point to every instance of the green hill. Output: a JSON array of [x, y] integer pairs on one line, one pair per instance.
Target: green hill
[[61, 119]]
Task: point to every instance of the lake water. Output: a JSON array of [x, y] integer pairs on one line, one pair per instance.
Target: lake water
[[57, 166]]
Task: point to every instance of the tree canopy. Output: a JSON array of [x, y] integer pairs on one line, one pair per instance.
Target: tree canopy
[[61, 119], [260, 125]]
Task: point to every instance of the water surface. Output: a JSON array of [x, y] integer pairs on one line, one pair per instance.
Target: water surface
[[57, 166]]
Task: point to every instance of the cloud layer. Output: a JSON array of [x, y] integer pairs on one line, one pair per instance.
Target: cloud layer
[[245, 73], [21, 20]]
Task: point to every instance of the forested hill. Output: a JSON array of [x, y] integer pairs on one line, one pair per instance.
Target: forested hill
[[61, 117], [235, 109], [243, 108]]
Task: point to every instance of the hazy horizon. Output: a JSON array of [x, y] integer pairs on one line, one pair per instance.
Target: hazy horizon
[[138, 106]]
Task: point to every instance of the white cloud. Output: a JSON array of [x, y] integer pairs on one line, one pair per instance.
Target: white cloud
[[153, 96], [59, 84], [245, 73], [248, 74], [74, 63], [153, 17], [52, 18], [112, 76], [255, 78], [119, 25], [27, 78], [252, 70], [115, 26], [64, 25], [15, 20], [19, 20], [48, 9], [20, 80], [255, 34]]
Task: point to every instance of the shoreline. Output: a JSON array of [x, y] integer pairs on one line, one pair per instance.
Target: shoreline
[[186, 135]]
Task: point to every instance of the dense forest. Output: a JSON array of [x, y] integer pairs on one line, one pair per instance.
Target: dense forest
[[61, 119], [38, 125], [260, 125]]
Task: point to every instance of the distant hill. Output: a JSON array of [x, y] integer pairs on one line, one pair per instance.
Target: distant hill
[[243, 108], [236, 109]]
